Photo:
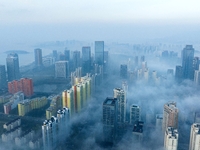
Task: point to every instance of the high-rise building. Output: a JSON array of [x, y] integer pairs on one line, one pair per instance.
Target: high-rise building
[[195, 137], [24, 84], [53, 128], [61, 69], [179, 73], [12, 62], [123, 71], [3, 81], [110, 119], [121, 97], [138, 131], [76, 59], [38, 57], [197, 77], [27, 86], [67, 54], [99, 52], [134, 114], [187, 62], [68, 100], [159, 120], [171, 139], [195, 65], [55, 55], [170, 116], [86, 60]]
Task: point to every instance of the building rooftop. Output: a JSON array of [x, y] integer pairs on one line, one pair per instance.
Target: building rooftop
[[134, 105], [109, 101]]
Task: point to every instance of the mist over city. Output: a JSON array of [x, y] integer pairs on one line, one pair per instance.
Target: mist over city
[[81, 75]]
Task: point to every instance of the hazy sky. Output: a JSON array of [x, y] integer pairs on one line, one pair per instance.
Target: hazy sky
[[122, 20]]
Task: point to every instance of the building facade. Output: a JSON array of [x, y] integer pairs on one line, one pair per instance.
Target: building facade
[[86, 60], [67, 54], [110, 119], [12, 62], [61, 69], [197, 77], [123, 71], [38, 57], [3, 81], [120, 95], [99, 52], [171, 139], [170, 116], [134, 114], [76, 59], [195, 137], [187, 62], [24, 84]]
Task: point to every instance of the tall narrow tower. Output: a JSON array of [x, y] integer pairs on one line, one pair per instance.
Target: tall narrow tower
[[187, 62], [171, 139], [134, 114], [99, 52], [109, 119], [76, 59], [12, 62], [170, 116], [120, 95], [86, 59], [3, 81], [38, 57], [195, 137]]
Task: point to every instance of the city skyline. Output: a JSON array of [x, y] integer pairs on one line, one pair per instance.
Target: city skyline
[[120, 74]]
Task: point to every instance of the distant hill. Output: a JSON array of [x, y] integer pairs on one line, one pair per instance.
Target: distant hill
[[16, 51]]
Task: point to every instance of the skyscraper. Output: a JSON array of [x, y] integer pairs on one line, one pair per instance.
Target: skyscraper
[[99, 52], [55, 55], [110, 119], [121, 97], [86, 60], [61, 69], [197, 77], [12, 62], [179, 73], [195, 137], [137, 131], [134, 114], [170, 116], [76, 59], [187, 62], [3, 81], [68, 100], [171, 139], [195, 65], [67, 54], [38, 57], [123, 71]]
